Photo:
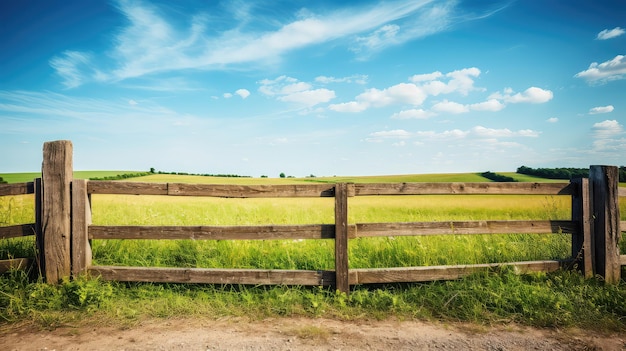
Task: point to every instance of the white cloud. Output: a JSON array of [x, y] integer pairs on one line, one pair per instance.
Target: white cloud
[[483, 132], [377, 137], [608, 128], [227, 95], [531, 95], [610, 33], [601, 109], [71, 66], [552, 120], [403, 93], [151, 43], [289, 89], [309, 97], [608, 136], [426, 77], [459, 81], [357, 78], [132, 102], [294, 88], [352, 106], [450, 107], [413, 114], [606, 71], [383, 36], [489, 105], [476, 133], [243, 93]]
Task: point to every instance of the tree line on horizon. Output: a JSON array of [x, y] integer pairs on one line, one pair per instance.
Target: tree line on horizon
[[564, 173]]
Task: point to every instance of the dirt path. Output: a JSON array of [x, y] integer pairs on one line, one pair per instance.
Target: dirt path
[[303, 334]]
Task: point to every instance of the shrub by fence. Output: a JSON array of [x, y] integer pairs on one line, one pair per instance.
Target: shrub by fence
[[65, 228]]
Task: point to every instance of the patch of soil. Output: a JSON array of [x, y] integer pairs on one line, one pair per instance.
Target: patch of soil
[[304, 334]]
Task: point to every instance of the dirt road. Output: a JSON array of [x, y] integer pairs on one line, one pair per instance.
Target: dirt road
[[303, 334]]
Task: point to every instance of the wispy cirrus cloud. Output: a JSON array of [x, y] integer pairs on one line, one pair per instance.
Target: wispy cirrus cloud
[[476, 133], [152, 43], [72, 67], [610, 33]]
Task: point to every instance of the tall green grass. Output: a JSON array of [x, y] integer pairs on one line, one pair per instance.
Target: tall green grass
[[318, 254], [560, 299], [17, 210], [30, 176]]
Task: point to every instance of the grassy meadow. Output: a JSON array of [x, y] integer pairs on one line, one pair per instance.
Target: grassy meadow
[[558, 299]]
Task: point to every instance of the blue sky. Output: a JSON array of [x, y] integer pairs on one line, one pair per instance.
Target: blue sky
[[314, 87]]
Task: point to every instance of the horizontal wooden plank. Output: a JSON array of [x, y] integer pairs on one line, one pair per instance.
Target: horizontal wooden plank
[[16, 263], [15, 231], [17, 189], [215, 190], [622, 226], [468, 227], [213, 276], [622, 259], [312, 231], [246, 191], [127, 188], [432, 273], [465, 188], [621, 191]]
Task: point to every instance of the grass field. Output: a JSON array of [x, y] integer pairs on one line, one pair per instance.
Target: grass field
[[30, 176], [559, 299]]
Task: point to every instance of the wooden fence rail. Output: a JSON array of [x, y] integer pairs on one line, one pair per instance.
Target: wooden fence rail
[[19, 230], [64, 214]]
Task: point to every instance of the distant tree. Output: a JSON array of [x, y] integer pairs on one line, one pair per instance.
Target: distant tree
[[263, 176], [497, 177], [152, 170], [2, 181], [282, 175]]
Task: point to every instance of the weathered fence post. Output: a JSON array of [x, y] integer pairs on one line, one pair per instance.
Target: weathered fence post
[[582, 244], [342, 282], [39, 256], [56, 171], [604, 182], [81, 219]]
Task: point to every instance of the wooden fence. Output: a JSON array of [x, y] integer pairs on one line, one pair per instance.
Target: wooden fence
[[65, 230]]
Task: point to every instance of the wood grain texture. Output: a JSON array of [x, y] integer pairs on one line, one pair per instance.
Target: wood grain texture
[[15, 231], [312, 231], [582, 243], [252, 191], [606, 227], [126, 188], [81, 219], [214, 190], [341, 237], [465, 227], [57, 176], [464, 189], [213, 276], [432, 273], [17, 189]]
